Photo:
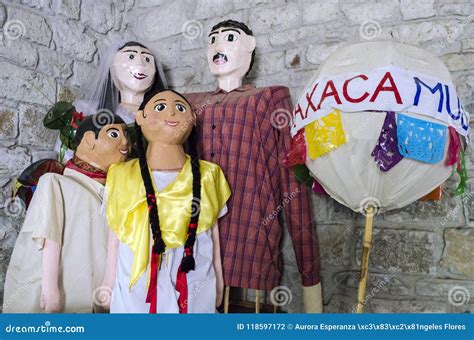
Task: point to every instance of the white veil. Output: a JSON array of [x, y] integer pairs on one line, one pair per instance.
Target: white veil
[[100, 93]]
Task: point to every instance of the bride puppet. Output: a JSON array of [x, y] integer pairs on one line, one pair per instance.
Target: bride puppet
[[127, 71], [162, 208]]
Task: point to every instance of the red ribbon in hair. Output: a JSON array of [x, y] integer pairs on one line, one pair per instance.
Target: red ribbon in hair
[[76, 118]]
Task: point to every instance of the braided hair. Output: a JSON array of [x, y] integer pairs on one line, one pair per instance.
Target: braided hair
[[188, 262]]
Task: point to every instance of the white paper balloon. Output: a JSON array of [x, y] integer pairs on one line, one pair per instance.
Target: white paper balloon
[[349, 173]]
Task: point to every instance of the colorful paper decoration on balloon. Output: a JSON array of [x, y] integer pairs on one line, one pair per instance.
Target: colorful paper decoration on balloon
[[420, 140], [318, 188], [297, 152], [385, 152], [461, 170], [434, 195], [454, 147], [325, 134]]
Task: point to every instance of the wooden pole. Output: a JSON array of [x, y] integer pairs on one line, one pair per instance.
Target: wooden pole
[[364, 262], [226, 299], [257, 301]]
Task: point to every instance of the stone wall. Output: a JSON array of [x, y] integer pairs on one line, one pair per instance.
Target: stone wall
[[422, 260]]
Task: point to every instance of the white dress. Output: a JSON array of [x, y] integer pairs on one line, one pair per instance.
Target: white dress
[[201, 281]]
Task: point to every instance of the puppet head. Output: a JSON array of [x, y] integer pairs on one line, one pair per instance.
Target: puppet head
[[166, 117], [102, 140], [133, 68], [231, 49]]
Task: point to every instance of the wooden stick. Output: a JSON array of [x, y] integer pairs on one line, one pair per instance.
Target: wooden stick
[[246, 295], [226, 299], [257, 301], [364, 262]]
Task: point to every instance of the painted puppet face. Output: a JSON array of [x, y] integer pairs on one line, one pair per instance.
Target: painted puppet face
[[166, 118], [111, 145], [133, 69], [229, 52]]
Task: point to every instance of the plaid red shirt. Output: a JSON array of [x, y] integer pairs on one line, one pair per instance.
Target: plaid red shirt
[[236, 132]]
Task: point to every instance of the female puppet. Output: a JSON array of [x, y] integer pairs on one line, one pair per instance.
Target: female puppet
[[175, 198], [128, 70], [59, 258]]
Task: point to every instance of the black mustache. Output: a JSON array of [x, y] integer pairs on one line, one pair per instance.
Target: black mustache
[[219, 55]]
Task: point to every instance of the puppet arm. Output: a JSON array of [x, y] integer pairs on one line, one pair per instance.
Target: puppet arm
[[217, 264], [312, 301], [110, 270], [50, 295]]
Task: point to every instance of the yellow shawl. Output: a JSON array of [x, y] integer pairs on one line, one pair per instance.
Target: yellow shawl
[[127, 209]]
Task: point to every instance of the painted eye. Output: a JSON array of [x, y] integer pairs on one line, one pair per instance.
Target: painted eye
[[147, 59], [114, 134], [160, 107], [131, 56], [180, 108], [230, 37], [212, 40]]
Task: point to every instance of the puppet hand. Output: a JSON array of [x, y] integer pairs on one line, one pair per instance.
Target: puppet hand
[[51, 300], [312, 299]]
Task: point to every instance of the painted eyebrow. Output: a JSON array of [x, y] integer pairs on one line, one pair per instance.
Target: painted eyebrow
[[134, 51], [180, 101], [224, 30], [144, 52], [111, 128], [159, 100]]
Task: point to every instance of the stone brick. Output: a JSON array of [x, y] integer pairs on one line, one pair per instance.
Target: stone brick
[[20, 52], [444, 288], [101, 16], [13, 161], [335, 244], [377, 283], [459, 62], [172, 16], [320, 12], [23, 85], [32, 131], [68, 8], [406, 306], [71, 39], [424, 31], [211, 8], [417, 9], [458, 250], [400, 251], [456, 8], [8, 123], [242, 4], [82, 73], [341, 304], [54, 64], [263, 20], [268, 63], [383, 11], [34, 27]]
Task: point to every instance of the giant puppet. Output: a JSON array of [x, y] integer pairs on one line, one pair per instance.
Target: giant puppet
[[58, 262], [379, 127], [127, 71], [162, 208], [237, 130]]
